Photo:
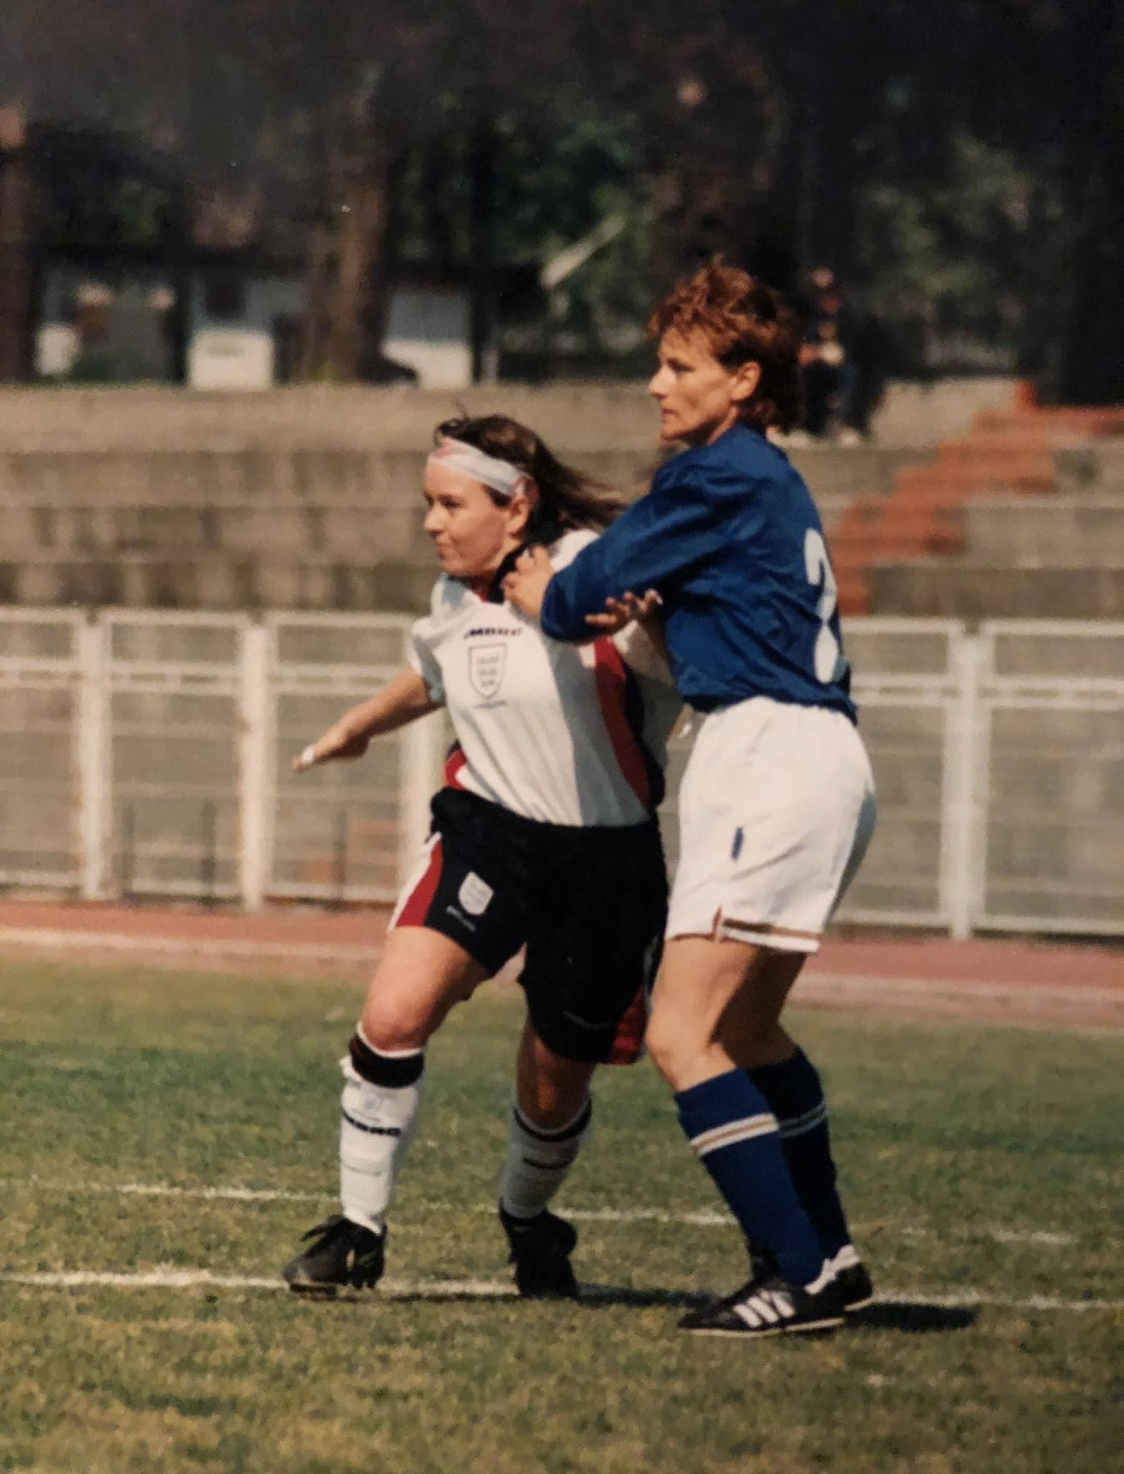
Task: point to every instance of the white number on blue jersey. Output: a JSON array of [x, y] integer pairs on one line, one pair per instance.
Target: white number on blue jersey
[[829, 663]]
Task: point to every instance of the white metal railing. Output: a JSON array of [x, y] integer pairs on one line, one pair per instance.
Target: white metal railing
[[1050, 773], [147, 753]]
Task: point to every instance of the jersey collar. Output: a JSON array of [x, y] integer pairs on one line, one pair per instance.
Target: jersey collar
[[492, 590]]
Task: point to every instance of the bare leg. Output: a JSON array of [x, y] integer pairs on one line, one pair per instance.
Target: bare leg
[[716, 1009], [550, 1088], [716, 1005], [421, 976], [548, 1125]]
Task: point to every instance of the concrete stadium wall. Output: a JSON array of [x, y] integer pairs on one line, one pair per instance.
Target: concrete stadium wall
[[300, 527], [571, 417]]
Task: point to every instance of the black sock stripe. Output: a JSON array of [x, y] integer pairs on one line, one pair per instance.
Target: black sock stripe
[[574, 1129], [371, 1130], [393, 1072]]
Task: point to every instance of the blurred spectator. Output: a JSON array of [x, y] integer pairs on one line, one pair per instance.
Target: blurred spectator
[[845, 358]]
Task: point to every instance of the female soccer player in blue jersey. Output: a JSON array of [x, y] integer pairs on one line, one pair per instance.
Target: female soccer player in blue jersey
[[548, 810], [777, 803]]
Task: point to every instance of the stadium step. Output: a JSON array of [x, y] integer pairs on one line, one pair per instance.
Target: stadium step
[[1018, 459], [961, 589], [1083, 530], [165, 581]]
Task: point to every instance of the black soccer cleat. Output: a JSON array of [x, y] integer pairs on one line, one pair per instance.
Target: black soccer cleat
[[851, 1274], [853, 1278], [339, 1253], [540, 1250], [772, 1306]]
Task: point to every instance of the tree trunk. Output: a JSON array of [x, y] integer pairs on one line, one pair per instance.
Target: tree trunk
[[17, 205], [1092, 365], [344, 314], [319, 268], [481, 287]]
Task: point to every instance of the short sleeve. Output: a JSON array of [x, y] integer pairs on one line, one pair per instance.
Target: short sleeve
[[420, 643], [419, 657]]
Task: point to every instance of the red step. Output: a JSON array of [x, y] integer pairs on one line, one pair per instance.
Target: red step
[[1006, 451]]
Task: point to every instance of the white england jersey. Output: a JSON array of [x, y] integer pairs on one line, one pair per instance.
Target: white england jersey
[[565, 734]]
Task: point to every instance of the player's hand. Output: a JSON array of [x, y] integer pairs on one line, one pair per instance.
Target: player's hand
[[620, 612], [333, 744], [525, 586]]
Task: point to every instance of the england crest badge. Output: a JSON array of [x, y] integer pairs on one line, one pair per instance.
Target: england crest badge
[[485, 668], [474, 894]]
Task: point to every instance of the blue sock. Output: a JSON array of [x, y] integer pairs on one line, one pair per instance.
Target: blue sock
[[728, 1122], [795, 1096]]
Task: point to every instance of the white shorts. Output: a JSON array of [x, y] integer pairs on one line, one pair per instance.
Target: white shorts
[[776, 809]]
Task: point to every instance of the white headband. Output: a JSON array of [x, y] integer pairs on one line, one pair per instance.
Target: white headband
[[499, 476]]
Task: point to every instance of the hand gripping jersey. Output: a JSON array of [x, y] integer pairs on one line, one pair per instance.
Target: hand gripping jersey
[[731, 539], [560, 733]]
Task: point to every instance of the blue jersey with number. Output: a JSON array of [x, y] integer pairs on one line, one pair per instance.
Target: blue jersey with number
[[730, 538]]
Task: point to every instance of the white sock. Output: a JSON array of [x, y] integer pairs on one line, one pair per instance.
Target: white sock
[[376, 1127], [538, 1161]]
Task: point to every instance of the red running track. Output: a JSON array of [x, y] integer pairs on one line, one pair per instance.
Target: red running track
[[988, 979]]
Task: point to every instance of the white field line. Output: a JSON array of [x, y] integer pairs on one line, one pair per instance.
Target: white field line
[[102, 941], [839, 985], [396, 1289], [706, 1218], [1000, 1235]]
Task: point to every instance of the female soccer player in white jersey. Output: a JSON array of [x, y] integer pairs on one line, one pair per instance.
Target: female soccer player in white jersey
[[777, 803], [544, 837]]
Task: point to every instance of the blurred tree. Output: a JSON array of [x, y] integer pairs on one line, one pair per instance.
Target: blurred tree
[[1000, 155], [1091, 362], [966, 157], [16, 226]]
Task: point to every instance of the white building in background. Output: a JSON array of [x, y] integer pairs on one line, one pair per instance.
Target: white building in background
[[243, 329], [429, 330], [241, 325]]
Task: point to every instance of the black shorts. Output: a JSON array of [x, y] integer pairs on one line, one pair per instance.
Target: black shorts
[[588, 904]]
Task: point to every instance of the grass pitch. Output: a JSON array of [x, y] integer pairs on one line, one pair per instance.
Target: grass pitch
[[982, 1169]]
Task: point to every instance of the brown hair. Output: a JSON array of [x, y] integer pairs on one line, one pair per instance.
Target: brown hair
[[566, 498], [743, 321]]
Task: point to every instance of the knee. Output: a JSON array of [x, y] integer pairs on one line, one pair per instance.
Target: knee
[[552, 1089], [674, 1049], [389, 1022]]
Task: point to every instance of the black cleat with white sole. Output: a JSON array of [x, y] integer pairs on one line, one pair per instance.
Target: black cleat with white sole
[[340, 1254], [540, 1250], [771, 1306]]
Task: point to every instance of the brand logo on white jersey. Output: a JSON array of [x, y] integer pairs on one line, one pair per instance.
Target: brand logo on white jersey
[[485, 668], [474, 894]]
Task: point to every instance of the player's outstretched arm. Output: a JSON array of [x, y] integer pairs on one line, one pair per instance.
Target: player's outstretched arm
[[403, 699]]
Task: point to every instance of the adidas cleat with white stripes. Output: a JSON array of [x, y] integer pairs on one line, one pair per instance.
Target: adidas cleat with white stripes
[[772, 1306], [856, 1288]]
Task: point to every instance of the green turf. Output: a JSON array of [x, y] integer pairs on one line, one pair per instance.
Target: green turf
[[955, 1145]]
